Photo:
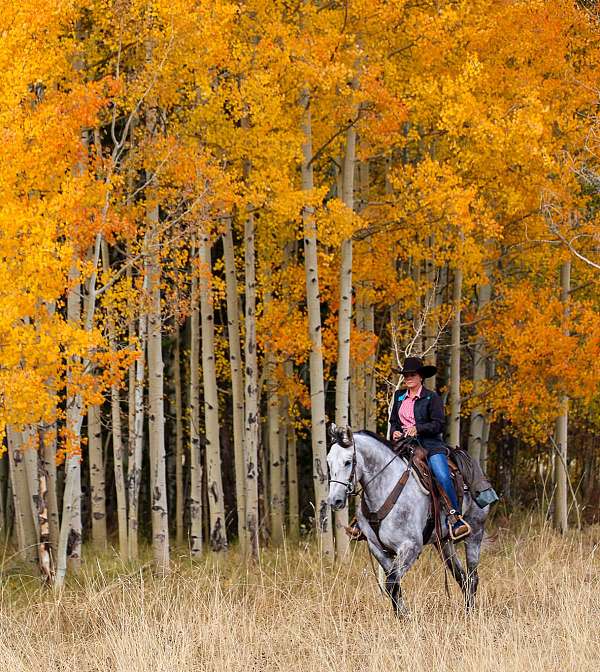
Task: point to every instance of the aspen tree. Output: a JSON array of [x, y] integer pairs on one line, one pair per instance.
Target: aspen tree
[[117, 435], [477, 422], [344, 322], [196, 468], [216, 504], [562, 420], [454, 417], [317, 390], [97, 477], [24, 518], [237, 379], [134, 465], [156, 420], [179, 454], [251, 423], [48, 456], [69, 543], [276, 499]]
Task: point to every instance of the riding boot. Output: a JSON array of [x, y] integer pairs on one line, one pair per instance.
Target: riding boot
[[353, 530], [457, 526]]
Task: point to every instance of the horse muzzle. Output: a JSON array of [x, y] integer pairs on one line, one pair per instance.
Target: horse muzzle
[[337, 503]]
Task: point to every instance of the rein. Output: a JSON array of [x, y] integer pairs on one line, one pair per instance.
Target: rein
[[350, 484]]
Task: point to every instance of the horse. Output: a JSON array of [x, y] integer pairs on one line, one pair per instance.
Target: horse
[[364, 457]]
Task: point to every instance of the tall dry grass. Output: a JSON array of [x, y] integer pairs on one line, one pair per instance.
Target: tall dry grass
[[539, 609]]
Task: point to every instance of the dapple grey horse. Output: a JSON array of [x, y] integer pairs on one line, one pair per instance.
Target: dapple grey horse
[[365, 458]]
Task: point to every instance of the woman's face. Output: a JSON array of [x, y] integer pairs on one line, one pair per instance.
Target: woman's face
[[413, 380]]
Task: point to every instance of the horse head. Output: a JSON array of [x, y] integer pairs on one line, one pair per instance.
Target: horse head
[[341, 461]]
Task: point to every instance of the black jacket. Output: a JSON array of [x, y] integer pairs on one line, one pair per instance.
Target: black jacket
[[429, 418]]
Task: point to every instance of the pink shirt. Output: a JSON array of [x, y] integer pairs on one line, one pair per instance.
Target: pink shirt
[[406, 412]]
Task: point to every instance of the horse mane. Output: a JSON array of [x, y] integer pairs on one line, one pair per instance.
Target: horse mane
[[377, 437]]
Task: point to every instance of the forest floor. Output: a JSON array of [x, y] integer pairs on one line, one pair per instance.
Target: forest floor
[[539, 609]]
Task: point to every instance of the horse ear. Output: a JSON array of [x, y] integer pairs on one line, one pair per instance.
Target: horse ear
[[345, 436], [333, 432]]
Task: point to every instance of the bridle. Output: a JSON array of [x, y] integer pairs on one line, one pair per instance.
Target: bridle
[[350, 484]]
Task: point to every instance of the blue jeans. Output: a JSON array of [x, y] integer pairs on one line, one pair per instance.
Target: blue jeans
[[438, 464]]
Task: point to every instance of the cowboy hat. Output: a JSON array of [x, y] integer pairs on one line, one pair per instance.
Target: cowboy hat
[[415, 365]]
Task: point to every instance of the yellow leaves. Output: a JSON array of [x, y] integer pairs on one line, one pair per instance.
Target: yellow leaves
[[336, 223], [539, 358]]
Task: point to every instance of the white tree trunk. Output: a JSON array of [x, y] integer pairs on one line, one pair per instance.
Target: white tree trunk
[[317, 390], [179, 454], [48, 454], [117, 435], [344, 322], [69, 542], [97, 478], [251, 423], [237, 379], [196, 468], [370, 379], [432, 297], [117, 440], [562, 422], [477, 423], [134, 466], [216, 504], [158, 484], [454, 419], [291, 464], [24, 521], [276, 499]]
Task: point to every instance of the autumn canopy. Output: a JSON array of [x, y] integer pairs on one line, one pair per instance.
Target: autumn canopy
[[223, 223]]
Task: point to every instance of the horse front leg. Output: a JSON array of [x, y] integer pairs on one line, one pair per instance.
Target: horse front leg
[[392, 582], [406, 555]]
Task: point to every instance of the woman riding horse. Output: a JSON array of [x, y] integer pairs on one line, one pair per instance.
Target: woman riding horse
[[419, 412]]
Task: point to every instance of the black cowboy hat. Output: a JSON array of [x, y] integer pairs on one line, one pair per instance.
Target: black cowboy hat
[[415, 365]]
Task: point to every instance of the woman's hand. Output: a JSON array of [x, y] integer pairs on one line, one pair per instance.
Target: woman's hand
[[396, 436], [411, 431]]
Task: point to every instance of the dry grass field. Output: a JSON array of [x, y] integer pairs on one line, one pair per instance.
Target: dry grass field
[[539, 609]]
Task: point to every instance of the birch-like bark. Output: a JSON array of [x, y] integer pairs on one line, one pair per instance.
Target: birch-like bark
[[24, 521], [216, 503], [317, 390], [196, 469], [251, 425], [97, 478], [237, 380], [46, 556], [30, 460], [69, 542], [432, 297], [179, 454], [117, 436], [292, 473], [134, 465], [156, 421], [344, 322], [477, 422], [454, 418], [276, 500], [562, 421], [119, 472], [48, 438], [370, 379]]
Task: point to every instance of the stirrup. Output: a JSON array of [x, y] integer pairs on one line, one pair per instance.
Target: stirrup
[[463, 531], [353, 531]]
